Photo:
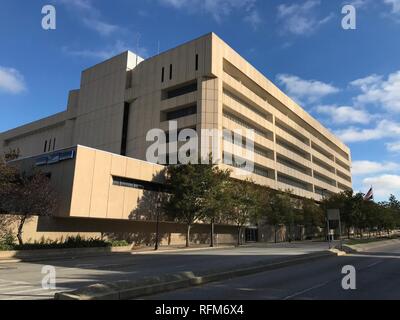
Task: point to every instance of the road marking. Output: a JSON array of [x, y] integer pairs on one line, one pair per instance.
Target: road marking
[[373, 264], [305, 291]]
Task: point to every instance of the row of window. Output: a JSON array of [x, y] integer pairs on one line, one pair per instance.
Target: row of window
[[137, 184], [263, 114], [180, 90], [239, 76], [240, 141], [238, 162], [171, 69], [181, 113], [264, 133], [293, 165], [293, 182]]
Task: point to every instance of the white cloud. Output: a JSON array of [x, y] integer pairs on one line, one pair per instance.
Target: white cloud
[[219, 9], [103, 28], [393, 147], [107, 52], [359, 4], [370, 167], [344, 114], [254, 19], [395, 6], [305, 90], [378, 91], [384, 129], [300, 19], [91, 16], [11, 81], [383, 185]]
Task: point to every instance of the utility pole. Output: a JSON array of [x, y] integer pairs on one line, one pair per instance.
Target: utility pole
[[327, 219]]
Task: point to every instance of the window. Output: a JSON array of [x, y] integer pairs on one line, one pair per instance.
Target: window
[[137, 184], [325, 179], [197, 62], [45, 146], [239, 162], [170, 72], [181, 113], [173, 140], [180, 91], [54, 144], [244, 123], [162, 74], [49, 145], [125, 124], [293, 164], [264, 114], [293, 182]]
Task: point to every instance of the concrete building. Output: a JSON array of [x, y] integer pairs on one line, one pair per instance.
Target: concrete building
[[203, 84]]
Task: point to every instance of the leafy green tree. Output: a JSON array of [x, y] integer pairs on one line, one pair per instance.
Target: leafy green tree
[[195, 194], [23, 196], [217, 198], [244, 205], [272, 211], [313, 215]]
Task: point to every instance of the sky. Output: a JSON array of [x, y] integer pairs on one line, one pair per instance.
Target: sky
[[347, 79]]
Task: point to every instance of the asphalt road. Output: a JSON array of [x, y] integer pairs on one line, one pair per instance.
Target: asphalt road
[[377, 278], [23, 280]]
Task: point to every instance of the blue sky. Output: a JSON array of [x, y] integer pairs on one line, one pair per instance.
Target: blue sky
[[347, 79]]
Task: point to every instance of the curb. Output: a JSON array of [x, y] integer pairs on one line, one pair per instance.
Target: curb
[[123, 290], [357, 248], [44, 255], [181, 250]]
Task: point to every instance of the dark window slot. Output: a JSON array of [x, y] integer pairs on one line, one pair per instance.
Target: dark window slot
[[125, 126], [181, 113], [138, 184], [180, 91]]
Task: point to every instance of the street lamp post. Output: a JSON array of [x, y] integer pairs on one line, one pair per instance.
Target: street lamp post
[[327, 218], [158, 210]]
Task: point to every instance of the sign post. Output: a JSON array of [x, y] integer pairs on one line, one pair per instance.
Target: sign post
[[334, 215]]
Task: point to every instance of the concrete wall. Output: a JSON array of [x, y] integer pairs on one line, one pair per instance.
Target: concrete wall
[[135, 232]]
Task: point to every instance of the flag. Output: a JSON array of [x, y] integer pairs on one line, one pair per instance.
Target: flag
[[370, 195]]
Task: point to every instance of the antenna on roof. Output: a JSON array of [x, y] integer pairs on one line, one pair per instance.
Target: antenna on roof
[[137, 47]]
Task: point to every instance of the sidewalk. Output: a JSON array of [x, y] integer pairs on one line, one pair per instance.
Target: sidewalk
[[43, 255]]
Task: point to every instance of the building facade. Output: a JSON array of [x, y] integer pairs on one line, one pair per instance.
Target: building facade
[[201, 85]]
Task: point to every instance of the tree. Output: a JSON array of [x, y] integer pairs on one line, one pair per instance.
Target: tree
[[343, 201], [271, 211], [217, 198], [192, 193], [244, 205], [32, 195], [289, 214], [313, 214], [24, 196]]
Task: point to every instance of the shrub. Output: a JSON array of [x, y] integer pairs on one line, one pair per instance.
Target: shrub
[[68, 243]]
